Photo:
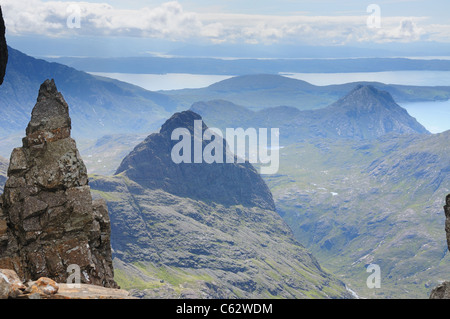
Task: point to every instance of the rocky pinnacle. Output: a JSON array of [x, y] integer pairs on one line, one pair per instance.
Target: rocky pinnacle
[[49, 224]]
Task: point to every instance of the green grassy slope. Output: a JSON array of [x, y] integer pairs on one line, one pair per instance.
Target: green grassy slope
[[355, 203]]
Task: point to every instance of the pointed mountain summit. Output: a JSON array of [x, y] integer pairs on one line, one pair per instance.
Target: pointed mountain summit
[[48, 220], [367, 113], [150, 165], [51, 113]]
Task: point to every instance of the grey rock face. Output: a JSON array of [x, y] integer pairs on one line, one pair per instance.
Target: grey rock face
[[3, 48], [48, 220], [150, 165]]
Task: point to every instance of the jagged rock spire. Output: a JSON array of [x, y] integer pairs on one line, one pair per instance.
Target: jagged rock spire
[[50, 117], [48, 220]]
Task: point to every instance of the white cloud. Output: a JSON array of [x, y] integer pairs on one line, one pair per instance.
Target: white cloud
[[170, 21], [50, 18], [406, 31]]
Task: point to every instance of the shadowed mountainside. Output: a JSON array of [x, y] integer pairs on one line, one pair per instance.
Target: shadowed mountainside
[[98, 105]]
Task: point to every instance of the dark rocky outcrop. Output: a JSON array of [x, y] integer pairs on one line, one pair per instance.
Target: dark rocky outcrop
[[443, 290], [3, 48], [151, 166], [48, 219]]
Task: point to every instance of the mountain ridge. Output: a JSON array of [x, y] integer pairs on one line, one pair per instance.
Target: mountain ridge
[[365, 113], [259, 91], [99, 105]]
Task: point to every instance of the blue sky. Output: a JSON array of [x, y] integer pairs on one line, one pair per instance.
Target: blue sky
[[171, 24]]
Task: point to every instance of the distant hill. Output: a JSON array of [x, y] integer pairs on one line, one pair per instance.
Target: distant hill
[[261, 91], [98, 105], [364, 113]]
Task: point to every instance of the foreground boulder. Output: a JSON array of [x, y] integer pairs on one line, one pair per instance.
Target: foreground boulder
[[11, 287], [443, 290], [48, 220]]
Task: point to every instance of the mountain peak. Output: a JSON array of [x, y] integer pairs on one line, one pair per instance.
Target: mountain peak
[[50, 118], [181, 119], [366, 112], [150, 164], [367, 97]]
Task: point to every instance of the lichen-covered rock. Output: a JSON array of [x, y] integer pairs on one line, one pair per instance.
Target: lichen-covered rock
[[10, 284], [5, 288], [48, 220], [43, 286], [11, 287], [3, 48]]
